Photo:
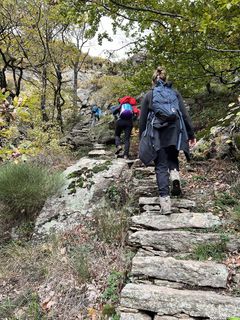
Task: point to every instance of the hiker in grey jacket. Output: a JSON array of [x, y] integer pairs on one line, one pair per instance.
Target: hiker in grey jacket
[[168, 144]]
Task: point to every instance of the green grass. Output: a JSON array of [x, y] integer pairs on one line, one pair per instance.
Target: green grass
[[214, 251], [111, 226], [25, 187], [236, 215], [225, 199], [29, 302]]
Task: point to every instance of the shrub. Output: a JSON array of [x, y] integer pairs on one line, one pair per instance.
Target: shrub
[[25, 187], [80, 262], [225, 199], [111, 226], [114, 286], [236, 214]]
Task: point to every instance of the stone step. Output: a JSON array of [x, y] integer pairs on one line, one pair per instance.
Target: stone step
[[155, 209], [180, 241], [144, 182], [98, 146], [81, 132], [131, 314], [193, 273], [97, 153], [175, 221], [136, 315], [146, 190], [140, 173], [163, 301], [180, 203], [178, 317]]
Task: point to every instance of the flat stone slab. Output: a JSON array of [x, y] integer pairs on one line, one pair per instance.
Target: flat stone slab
[[97, 153], [134, 316], [179, 203], [154, 209], [179, 317], [169, 302], [194, 273], [179, 241], [176, 221], [98, 146]]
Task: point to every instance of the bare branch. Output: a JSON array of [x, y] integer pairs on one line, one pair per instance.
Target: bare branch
[[132, 19], [147, 9], [221, 50], [111, 52]]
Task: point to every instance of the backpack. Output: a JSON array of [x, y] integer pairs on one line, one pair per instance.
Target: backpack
[[98, 112], [165, 102], [94, 109], [126, 111]]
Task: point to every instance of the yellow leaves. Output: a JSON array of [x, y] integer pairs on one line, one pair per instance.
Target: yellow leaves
[[92, 313], [2, 122], [9, 132], [23, 115]]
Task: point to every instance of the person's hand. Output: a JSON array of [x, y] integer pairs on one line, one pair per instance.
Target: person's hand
[[192, 142]]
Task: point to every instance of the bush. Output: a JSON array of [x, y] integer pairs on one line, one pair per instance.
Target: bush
[[25, 187], [80, 262]]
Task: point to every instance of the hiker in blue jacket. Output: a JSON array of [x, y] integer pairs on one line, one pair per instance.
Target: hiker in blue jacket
[[167, 136], [95, 114]]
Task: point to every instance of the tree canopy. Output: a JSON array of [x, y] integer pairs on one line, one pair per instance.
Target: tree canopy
[[198, 41]]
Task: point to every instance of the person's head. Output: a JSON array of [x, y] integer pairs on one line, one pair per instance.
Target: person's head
[[159, 74]]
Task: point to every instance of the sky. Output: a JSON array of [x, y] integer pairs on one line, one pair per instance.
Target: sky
[[119, 40]]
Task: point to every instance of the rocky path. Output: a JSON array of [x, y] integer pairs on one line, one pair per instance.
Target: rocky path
[[167, 281]]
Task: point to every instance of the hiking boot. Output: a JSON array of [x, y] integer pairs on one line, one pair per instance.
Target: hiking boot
[[165, 204], [175, 183], [119, 149]]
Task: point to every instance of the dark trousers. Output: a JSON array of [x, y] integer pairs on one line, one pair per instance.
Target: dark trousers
[[167, 159], [126, 126]]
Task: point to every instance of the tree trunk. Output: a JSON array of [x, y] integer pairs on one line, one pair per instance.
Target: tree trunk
[[59, 101], [75, 85], [209, 88], [43, 94], [3, 81]]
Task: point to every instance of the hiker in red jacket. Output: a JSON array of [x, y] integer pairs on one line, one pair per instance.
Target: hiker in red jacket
[[125, 113]]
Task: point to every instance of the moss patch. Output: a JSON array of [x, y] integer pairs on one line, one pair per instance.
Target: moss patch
[[82, 178], [102, 167]]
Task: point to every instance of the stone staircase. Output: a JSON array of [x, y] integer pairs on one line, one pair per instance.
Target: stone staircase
[[78, 137], [166, 282]]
